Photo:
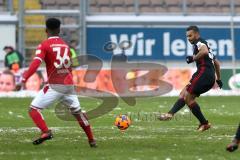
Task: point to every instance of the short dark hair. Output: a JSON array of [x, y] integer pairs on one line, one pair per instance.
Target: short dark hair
[[193, 28], [53, 24], [8, 47]]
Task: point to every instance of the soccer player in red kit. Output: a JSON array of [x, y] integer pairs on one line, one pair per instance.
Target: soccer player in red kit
[[56, 55]]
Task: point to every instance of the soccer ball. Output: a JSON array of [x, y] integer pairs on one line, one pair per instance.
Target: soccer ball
[[122, 122]]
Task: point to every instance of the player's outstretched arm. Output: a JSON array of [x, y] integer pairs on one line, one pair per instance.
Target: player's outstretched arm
[[217, 68], [32, 69], [218, 73]]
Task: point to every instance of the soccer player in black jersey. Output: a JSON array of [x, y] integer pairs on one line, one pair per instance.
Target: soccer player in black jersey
[[208, 71]]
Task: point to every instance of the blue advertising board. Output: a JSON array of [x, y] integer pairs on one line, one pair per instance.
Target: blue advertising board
[[159, 43]]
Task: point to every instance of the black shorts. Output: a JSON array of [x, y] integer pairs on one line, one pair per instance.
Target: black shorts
[[201, 82]]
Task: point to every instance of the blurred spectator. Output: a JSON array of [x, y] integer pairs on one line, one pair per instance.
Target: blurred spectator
[[13, 59], [7, 81], [74, 55], [35, 82], [104, 81], [73, 46], [178, 77]]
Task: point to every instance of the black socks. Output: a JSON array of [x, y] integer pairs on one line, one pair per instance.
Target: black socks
[[177, 106], [197, 113], [195, 110], [238, 133]]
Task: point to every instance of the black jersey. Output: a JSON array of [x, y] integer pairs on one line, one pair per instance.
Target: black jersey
[[204, 78], [207, 60]]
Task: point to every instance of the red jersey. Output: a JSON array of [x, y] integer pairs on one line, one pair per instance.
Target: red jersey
[[56, 54]]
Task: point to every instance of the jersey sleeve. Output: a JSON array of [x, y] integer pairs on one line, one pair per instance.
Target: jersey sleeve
[[32, 69], [40, 52], [200, 44]]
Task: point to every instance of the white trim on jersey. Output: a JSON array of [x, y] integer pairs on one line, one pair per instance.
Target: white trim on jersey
[[38, 58], [53, 37]]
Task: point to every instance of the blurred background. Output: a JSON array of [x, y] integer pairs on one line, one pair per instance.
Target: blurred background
[[155, 28]]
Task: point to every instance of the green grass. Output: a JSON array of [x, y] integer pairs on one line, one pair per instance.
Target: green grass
[[146, 139]]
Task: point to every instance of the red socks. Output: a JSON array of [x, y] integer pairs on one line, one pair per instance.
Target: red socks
[[37, 118], [82, 119], [83, 122]]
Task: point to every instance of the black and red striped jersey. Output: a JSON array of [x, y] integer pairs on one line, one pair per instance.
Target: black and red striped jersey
[[207, 60]]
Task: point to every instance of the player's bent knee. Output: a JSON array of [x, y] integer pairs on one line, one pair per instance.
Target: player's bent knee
[[33, 108], [189, 102], [182, 96], [75, 110], [81, 117]]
